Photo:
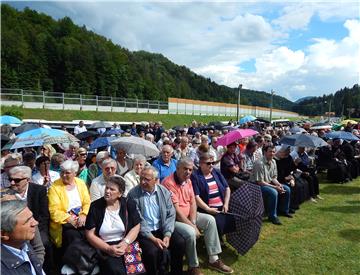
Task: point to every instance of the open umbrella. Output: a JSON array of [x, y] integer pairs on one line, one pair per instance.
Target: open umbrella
[[345, 122], [341, 135], [9, 120], [235, 135], [246, 203], [101, 142], [303, 140], [25, 127], [135, 145], [246, 119], [112, 132], [86, 134], [100, 124], [41, 136], [4, 140], [320, 126], [297, 130], [259, 119], [229, 128], [218, 125]]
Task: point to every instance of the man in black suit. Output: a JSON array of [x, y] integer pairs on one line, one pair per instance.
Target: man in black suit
[[36, 197]]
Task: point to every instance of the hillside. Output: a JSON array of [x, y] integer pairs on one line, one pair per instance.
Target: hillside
[[40, 53]]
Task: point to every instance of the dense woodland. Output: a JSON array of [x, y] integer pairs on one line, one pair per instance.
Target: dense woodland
[[40, 53]]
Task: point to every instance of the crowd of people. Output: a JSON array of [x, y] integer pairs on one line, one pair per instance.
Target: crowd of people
[[53, 196]]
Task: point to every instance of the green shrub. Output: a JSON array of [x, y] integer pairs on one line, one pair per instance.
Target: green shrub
[[15, 111]]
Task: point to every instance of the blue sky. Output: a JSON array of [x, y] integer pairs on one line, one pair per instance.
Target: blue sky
[[295, 48]]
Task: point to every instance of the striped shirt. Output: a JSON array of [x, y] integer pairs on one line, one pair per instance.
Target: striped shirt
[[214, 194]]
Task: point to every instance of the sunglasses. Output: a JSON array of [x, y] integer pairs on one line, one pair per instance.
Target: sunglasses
[[83, 154], [16, 180], [210, 163]]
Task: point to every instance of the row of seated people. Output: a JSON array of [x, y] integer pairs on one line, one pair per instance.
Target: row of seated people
[[70, 215]]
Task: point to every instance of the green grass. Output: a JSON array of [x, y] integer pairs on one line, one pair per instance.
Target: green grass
[[322, 238]]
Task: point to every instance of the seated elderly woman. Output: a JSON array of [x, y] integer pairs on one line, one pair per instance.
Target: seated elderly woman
[[132, 178], [71, 152], [69, 203], [111, 225], [44, 176], [212, 193]]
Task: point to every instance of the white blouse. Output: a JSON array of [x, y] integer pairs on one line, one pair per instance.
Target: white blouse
[[74, 198], [112, 229]]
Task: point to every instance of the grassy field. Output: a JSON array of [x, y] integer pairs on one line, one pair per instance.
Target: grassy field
[[168, 120], [322, 238]]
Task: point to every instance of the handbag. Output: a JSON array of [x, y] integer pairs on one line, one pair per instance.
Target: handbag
[[132, 259], [132, 255]]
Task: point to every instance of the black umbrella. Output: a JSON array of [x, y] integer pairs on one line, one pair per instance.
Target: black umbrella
[[303, 140], [100, 124], [218, 125], [86, 134], [206, 128], [246, 204], [4, 140], [25, 127], [259, 119], [178, 128]]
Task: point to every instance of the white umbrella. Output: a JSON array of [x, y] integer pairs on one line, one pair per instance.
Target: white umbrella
[[136, 146]]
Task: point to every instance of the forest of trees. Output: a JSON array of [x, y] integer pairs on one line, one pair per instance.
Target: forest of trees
[[40, 53]]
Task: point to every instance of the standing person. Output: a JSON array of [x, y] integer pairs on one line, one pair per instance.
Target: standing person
[[80, 128], [189, 222], [157, 223], [112, 224], [276, 195], [165, 164], [18, 227]]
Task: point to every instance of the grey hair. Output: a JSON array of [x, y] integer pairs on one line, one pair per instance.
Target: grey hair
[[9, 211], [101, 155], [24, 170], [153, 169], [149, 137], [183, 161], [139, 158], [168, 146], [108, 161], [74, 145], [69, 165]]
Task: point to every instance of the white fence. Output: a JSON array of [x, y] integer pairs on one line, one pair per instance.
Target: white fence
[[65, 101]]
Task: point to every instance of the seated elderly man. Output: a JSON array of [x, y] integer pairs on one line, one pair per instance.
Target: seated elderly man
[[36, 197], [18, 227], [165, 164], [157, 223], [189, 222], [265, 175], [97, 187]]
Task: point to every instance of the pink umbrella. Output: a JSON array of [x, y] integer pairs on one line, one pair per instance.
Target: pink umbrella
[[235, 135]]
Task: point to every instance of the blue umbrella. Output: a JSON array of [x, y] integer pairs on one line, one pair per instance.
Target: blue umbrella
[[342, 135], [112, 132], [101, 142], [9, 120], [41, 136], [246, 119], [303, 140]]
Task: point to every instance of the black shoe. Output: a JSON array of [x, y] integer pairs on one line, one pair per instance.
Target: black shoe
[[275, 221], [288, 215], [292, 211]]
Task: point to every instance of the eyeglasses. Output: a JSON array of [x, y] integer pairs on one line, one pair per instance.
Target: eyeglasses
[[16, 180], [83, 154], [210, 163]]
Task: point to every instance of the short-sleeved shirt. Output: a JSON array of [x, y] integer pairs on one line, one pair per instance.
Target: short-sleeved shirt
[[264, 171], [165, 170], [182, 193], [228, 161]]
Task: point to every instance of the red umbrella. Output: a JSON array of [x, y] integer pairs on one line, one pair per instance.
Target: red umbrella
[[235, 135]]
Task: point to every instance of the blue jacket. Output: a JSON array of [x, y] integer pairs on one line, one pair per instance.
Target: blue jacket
[[201, 188]]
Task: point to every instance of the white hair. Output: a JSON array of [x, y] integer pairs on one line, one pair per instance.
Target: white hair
[[101, 155], [24, 170], [69, 165]]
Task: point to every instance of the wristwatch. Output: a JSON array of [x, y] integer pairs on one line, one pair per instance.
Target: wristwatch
[[127, 241]]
